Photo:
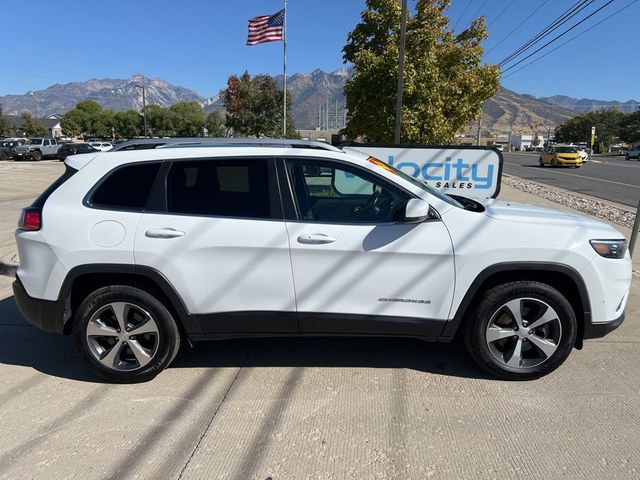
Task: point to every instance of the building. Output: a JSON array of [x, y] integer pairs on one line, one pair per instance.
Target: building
[[525, 141], [51, 123]]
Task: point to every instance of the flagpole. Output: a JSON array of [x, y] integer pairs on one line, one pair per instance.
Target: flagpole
[[284, 95]]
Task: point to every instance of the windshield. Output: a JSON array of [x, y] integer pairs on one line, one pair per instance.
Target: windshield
[[566, 150], [34, 141], [416, 182]]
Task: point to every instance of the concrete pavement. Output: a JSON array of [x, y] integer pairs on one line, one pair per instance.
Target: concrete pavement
[[319, 408]]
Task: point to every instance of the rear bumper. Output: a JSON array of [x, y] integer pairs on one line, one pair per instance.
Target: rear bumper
[[599, 330], [45, 314]]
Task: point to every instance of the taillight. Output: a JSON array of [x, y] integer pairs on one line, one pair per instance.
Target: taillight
[[30, 219]]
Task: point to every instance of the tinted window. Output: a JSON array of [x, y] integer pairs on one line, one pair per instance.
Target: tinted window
[[127, 187], [327, 192], [229, 188]]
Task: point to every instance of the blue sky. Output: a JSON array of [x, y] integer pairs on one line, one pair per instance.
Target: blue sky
[[198, 44]]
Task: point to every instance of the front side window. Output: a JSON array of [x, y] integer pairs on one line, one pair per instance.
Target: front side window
[[127, 187], [227, 188], [336, 193]]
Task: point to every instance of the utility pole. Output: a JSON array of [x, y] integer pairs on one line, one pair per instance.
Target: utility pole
[[144, 109], [403, 31], [479, 128]]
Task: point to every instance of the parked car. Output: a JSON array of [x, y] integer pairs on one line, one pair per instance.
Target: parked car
[[560, 155], [633, 152], [583, 153], [220, 242], [8, 147], [102, 146], [74, 148], [37, 149]]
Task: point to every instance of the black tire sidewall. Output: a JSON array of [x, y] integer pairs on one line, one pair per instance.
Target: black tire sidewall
[[168, 341], [475, 328]]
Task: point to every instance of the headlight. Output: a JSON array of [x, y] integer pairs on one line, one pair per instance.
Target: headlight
[[609, 248]]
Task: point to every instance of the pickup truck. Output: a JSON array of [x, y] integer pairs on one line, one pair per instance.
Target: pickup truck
[[37, 149]]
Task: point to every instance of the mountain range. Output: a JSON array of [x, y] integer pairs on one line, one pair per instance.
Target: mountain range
[[316, 96]]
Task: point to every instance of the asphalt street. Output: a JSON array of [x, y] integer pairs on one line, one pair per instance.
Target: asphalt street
[[609, 178]]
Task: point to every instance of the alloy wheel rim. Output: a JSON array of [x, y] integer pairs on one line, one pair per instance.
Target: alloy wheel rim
[[122, 336], [523, 333]]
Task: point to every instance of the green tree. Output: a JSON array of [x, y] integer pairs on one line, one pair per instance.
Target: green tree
[[215, 124], [128, 124], [445, 83], [6, 129], [254, 106], [608, 123], [187, 119], [536, 139], [32, 126], [630, 127], [159, 121]]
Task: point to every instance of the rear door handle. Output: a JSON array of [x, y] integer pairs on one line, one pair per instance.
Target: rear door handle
[[166, 232], [315, 238]]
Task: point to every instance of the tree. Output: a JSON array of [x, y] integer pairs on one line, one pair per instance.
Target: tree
[[6, 129], [159, 121], [215, 124], [608, 123], [536, 139], [32, 126], [630, 127], [128, 124], [445, 83], [254, 106], [187, 119]]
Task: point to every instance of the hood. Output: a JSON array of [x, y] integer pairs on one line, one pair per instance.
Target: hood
[[531, 214]]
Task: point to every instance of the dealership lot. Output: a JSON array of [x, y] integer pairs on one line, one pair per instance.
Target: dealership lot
[[308, 408]]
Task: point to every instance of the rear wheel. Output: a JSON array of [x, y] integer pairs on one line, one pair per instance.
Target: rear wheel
[[125, 335], [541, 162], [521, 330]]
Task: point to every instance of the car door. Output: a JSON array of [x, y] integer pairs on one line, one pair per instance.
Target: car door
[[217, 234], [357, 266]]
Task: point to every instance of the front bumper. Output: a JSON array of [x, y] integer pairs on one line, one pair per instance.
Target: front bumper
[[21, 155], [599, 330], [47, 315]]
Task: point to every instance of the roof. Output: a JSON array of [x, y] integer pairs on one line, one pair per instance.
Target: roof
[[176, 142]]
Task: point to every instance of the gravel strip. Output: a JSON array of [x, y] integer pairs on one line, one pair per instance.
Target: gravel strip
[[586, 205]]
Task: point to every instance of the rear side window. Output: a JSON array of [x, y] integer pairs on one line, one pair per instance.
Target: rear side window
[[228, 188], [127, 187]]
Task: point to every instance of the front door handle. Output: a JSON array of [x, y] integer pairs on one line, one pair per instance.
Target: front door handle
[[315, 238], [166, 232]]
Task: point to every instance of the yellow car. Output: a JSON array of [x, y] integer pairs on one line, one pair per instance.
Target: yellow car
[[560, 155]]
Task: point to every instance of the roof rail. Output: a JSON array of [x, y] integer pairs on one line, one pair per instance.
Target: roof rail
[[175, 142]]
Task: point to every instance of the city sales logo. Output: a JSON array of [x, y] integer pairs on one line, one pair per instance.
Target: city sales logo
[[449, 174]]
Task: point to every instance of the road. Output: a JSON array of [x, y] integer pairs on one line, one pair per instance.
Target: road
[[610, 178]]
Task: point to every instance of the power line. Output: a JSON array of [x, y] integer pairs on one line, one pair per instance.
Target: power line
[[557, 23], [632, 104], [500, 14], [558, 36], [517, 26], [477, 12], [462, 14]]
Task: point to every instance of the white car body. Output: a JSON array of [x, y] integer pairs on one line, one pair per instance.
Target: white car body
[[218, 266], [583, 153], [102, 146]]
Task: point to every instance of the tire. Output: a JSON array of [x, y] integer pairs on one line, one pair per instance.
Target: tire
[[494, 348], [553, 163], [4, 156], [110, 355], [36, 155], [541, 162]]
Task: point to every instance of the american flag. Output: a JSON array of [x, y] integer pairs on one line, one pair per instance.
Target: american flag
[[266, 28]]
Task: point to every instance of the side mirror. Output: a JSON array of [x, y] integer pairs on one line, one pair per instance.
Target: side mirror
[[417, 211]]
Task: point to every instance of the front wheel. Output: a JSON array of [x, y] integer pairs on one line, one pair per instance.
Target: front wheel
[[541, 162], [37, 155], [521, 330], [125, 335], [626, 157]]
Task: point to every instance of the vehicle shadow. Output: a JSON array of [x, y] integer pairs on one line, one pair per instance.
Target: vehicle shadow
[[24, 345]]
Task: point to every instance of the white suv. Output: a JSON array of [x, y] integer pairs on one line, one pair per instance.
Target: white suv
[[132, 253]]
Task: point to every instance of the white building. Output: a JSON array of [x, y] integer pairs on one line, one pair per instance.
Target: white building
[[524, 141]]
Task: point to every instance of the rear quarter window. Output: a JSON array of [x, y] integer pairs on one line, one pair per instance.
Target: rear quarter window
[[126, 188]]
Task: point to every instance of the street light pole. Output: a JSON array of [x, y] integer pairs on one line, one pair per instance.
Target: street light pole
[[144, 109], [403, 31]]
